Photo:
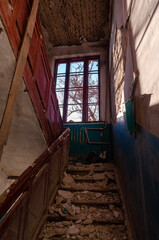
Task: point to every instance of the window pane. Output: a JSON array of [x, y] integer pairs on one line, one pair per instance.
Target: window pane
[[61, 68], [61, 111], [60, 82], [76, 67], [93, 95], [93, 79], [74, 113], [75, 96], [93, 112], [93, 65], [76, 81], [60, 96]]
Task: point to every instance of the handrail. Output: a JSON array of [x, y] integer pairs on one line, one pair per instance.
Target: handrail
[[22, 183]]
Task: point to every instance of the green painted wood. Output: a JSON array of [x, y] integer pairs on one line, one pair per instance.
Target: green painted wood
[[98, 139]]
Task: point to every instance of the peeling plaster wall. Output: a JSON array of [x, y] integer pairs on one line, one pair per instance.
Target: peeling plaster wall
[[137, 154], [89, 49], [140, 34], [146, 38], [7, 66], [26, 141]]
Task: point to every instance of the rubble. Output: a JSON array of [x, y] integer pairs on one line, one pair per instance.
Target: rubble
[[65, 194], [87, 230], [86, 214], [68, 209], [98, 195], [68, 180], [73, 230], [88, 221], [99, 176], [116, 214], [59, 199]]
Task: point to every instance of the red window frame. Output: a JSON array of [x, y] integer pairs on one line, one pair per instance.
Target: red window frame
[[85, 84]]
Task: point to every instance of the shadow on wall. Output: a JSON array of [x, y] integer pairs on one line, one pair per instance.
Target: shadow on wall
[[137, 158], [137, 155]]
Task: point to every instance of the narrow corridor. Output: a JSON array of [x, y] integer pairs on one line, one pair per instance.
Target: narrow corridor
[[87, 206]]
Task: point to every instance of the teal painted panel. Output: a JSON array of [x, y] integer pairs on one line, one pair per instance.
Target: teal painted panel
[[88, 137]]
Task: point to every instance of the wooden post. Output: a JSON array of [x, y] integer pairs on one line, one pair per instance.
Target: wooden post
[[18, 74]]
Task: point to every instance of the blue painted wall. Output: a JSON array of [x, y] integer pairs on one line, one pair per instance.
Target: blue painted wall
[[79, 145], [137, 158]]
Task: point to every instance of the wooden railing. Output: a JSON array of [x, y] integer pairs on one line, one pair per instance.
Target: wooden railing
[[24, 204]]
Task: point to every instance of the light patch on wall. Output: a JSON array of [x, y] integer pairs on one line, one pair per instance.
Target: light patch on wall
[[26, 141], [122, 108], [118, 71], [7, 67]]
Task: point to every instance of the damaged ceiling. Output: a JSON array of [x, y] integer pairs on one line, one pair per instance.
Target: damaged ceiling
[[74, 22]]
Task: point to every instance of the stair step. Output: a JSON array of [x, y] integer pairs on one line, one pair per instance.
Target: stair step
[[87, 170], [94, 167], [77, 189], [88, 196], [100, 231], [88, 202], [94, 221]]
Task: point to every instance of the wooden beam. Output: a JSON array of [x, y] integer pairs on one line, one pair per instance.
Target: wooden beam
[[18, 74]]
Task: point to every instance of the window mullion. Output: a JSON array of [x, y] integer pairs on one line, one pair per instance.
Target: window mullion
[[66, 91], [85, 92]]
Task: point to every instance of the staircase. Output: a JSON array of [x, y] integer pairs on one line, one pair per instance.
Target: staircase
[[87, 205]]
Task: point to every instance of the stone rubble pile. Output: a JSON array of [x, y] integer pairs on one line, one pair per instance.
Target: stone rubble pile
[[86, 214], [69, 230]]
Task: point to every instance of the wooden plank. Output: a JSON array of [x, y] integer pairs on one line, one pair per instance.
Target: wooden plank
[[21, 62]]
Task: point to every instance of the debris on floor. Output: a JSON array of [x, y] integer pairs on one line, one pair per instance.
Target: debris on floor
[[87, 206]]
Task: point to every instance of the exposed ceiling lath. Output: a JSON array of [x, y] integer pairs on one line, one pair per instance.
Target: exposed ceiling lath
[[72, 22]]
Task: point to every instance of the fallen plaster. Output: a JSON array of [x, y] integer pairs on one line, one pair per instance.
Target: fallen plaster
[[84, 211]]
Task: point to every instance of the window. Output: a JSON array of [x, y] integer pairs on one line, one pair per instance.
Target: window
[[77, 89]]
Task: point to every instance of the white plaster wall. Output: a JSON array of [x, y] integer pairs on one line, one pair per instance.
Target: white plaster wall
[[7, 66], [26, 141], [141, 14], [142, 56], [145, 30], [88, 49]]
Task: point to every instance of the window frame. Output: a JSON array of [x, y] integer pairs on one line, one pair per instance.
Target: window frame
[[68, 61]]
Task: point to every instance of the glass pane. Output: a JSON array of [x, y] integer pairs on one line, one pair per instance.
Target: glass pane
[[76, 67], [60, 97], [75, 96], [93, 112], [76, 81], [61, 111], [93, 65], [74, 113], [93, 79], [60, 82], [92, 95], [61, 68]]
